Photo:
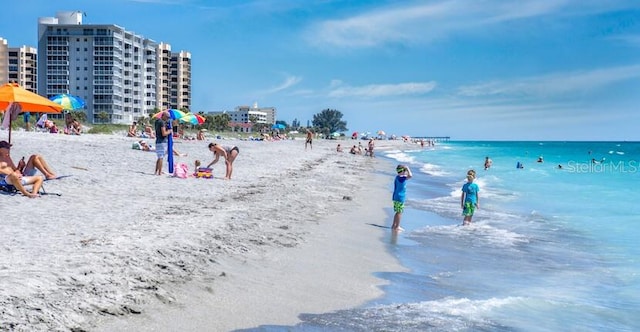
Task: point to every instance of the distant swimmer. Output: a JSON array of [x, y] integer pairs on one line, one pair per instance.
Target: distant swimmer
[[519, 165], [487, 163], [540, 160], [559, 166]]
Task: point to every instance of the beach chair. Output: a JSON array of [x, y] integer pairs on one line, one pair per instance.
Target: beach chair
[[5, 187], [40, 124], [10, 189]]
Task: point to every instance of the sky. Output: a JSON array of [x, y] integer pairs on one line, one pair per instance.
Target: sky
[[468, 69]]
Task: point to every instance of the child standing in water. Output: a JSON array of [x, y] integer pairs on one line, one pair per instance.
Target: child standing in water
[[469, 201], [399, 194]]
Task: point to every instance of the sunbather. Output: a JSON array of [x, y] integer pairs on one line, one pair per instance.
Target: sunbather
[[28, 168]]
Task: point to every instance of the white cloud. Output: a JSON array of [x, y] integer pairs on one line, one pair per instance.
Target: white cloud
[[554, 84], [289, 81], [421, 23], [380, 90]]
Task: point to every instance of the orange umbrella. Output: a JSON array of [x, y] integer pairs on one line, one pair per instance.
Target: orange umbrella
[[12, 93]]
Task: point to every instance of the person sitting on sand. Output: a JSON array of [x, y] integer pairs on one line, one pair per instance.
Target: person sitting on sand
[[200, 136], [339, 148], [76, 128], [148, 132], [35, 162], [354, 150], [53, 128], [133, 130], [15, 178]]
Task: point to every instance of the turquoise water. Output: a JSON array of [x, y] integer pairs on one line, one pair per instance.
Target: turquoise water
[[550, 249]]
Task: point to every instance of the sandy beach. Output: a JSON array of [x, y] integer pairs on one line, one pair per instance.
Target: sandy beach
[[113, 247]]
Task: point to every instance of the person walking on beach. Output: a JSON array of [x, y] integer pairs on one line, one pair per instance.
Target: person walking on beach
[[228, 153], [399, 195], [309, 140], [470, 200], [163, 130]]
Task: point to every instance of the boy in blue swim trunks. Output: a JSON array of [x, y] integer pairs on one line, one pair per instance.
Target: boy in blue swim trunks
[[469, 201], [399, 194]]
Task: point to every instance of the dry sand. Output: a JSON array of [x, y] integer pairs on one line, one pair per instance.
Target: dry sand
[[122, 249]]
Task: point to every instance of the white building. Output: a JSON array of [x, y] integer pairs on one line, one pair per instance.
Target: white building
[[114, 70], [19, 65]]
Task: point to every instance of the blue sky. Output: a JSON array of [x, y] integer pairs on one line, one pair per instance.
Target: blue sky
[[476, 69]]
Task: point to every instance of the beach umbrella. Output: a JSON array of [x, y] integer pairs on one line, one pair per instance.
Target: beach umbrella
[[381, 133], [277, 126], [17, 99], [68, 102], [174, 114], [194, 119]]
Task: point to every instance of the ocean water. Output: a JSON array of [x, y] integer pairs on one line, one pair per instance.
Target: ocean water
[[549, 249]]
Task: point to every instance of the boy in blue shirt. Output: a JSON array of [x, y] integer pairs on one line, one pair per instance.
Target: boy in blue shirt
[[469, 201], [399, 194]]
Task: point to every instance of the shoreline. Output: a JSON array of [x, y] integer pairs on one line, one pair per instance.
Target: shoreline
[[332, 269], [121, 244]]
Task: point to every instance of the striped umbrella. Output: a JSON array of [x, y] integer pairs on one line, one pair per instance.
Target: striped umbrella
[[173, 114], [194, 119], [68, 102]]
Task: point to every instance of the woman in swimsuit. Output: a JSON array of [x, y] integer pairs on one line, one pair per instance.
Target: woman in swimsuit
[[229, 154]]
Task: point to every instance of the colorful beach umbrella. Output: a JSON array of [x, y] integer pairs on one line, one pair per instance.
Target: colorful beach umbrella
[[68, 102], [22, 100], [173, 114], [29, 101], [194, 119]]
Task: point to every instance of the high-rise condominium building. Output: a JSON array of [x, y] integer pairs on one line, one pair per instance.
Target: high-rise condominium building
[[173, 78], [114, 70], [4, 61], [18, 65]]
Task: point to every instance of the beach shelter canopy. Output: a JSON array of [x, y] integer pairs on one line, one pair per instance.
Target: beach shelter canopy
[[17, 99], [68, 102], [277, 126]]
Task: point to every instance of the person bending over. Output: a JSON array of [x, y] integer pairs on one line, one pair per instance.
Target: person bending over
[[228, 153]]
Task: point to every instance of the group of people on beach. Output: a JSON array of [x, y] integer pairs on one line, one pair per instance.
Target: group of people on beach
[[359, 149], [163, 128]]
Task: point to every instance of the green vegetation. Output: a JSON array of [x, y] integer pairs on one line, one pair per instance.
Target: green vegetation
[[107, 129], [329, 121]]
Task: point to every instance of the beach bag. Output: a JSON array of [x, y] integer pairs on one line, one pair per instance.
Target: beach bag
[[204, 173], [181, 171]]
